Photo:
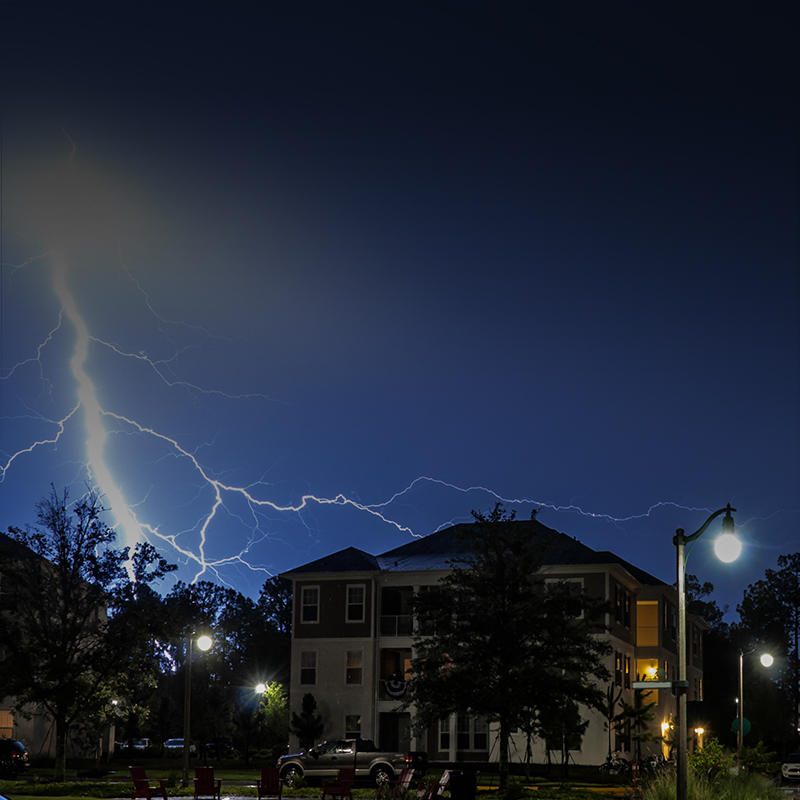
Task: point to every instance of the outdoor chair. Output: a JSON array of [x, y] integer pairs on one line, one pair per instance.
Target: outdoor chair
[[142, 787], [342, 786], [435, 791], [398, 788], [205, 784], [270, 784]]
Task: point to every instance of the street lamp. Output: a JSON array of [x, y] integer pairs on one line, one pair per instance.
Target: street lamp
[[261, 688], [204, 643], [727, 552], [766, 661]]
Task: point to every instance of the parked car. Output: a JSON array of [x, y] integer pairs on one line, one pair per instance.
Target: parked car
[[13, 758], [326, 759], [177, 744], [790, 771], [220, 747], [135, 744]]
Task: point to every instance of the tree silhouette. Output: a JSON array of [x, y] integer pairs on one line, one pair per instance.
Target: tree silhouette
[[308, 725]]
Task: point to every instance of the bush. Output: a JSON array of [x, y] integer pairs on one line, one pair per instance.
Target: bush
[[744, 786], [759, 759], [711, 761]]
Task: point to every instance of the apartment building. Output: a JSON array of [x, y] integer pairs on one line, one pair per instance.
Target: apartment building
[[352, 644]]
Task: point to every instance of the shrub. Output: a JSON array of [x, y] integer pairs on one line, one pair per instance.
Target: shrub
[[726, 786], [759, 759], [711, 761]]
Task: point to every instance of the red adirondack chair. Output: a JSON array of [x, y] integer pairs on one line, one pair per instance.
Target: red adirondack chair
[[342, 786], [205, 784], [435, 791], [388, 790], [270, 784], [142, 787]]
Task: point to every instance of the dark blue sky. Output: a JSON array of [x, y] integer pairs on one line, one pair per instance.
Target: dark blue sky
[[325, 250]]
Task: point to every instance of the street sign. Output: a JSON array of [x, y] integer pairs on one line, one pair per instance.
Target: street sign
[[745, 726]]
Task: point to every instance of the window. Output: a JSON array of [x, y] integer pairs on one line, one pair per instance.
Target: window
[[472, 733], [396, 611], [618, 669], [444, 733], [354, 667], [647, 623], [355, 603], [309, 604], [395, 672], [480, 734], [627, 680], [622, 605], [670, 620], [352, 726], [308, 667], [6, 724]]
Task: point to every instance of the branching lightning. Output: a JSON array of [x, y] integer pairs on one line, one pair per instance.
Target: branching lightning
[[88, 418]]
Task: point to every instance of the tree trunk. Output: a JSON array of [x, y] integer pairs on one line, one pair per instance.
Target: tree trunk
[[61, 748], [504, 736]]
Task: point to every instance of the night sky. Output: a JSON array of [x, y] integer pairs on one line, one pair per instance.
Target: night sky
[[403, 260]]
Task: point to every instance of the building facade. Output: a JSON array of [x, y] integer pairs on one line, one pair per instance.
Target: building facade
[[352, 646]]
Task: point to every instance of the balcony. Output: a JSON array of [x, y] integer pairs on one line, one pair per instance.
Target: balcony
[[397, 625]]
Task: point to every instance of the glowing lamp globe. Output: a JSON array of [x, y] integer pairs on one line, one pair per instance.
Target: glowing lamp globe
[[727, 547], [261, 688], [767, 660], [204, 643]]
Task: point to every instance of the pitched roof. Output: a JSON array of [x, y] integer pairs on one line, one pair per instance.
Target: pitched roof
[[351, 559], [444, 548]]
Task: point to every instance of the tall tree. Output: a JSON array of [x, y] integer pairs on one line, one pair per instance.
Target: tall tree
[[307, 725], [274, 714], [495, 640], [82, 616], [707, 609], [636, 718], [770, 618]]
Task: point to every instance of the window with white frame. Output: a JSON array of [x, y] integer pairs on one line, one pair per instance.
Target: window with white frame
[[354, 667], [472, 733], [309, 604], [444, 733], [352, 726], [308, 667], [356, 606]]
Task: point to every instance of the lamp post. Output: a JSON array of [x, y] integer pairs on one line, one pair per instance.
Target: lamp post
[[766, 661], [727, 548], [204, 643]]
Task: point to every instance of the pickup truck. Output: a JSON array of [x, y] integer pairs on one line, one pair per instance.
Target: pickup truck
[[326, 759]]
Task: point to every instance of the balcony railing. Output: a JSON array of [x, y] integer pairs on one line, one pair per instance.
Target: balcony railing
[[397, 625]]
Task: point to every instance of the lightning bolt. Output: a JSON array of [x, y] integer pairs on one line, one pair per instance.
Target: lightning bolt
[[99, 423]]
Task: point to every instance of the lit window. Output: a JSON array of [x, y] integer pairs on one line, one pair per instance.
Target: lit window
[[6, 724], [354, 667]]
